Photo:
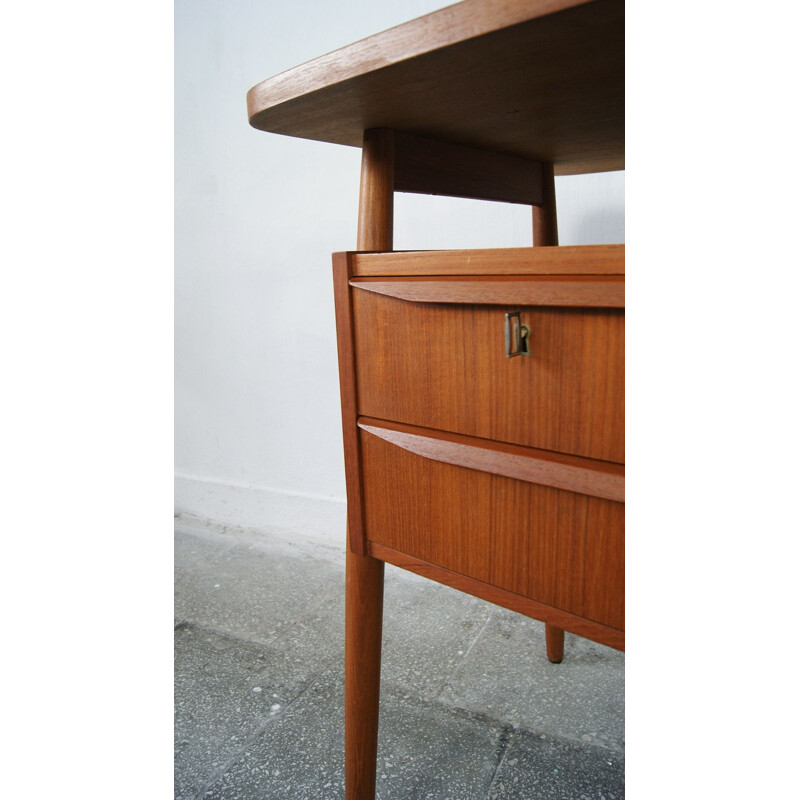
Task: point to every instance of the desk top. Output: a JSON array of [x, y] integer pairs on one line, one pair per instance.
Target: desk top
[[542, 79]]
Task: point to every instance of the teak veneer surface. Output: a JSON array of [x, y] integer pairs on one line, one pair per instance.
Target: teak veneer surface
[[347, 388], [556, 547], [606, 259], [575, 474], [580, 626], [427, 166], [591, 291], [500, 477], [444, 366], [538, 79]]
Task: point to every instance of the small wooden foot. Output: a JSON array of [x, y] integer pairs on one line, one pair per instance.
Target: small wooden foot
[[362, 673], [555, 643]]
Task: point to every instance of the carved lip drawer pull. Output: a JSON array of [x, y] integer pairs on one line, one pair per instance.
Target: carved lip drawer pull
[[517, 336], [543, 467]]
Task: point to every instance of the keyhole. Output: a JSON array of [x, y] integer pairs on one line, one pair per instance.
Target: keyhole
[[524, 333]]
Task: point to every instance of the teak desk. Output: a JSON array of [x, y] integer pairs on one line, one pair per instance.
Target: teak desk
[[482, 390]]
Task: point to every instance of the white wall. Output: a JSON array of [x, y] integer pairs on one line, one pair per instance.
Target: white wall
[[257, 425]]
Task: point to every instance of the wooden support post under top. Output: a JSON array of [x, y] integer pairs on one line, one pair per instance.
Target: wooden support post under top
[[376, 196], [545, 220]]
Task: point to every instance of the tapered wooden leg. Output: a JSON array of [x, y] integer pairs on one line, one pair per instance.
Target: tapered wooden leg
[[362, 673], [364, 592], [545, 234], [555, 643]]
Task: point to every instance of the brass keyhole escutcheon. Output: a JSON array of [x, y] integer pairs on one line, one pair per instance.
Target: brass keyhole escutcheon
[[517, 336]]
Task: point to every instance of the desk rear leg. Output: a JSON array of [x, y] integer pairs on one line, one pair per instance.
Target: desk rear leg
[[555, 643]]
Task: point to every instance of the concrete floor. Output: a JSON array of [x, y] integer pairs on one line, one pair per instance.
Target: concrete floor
[[470, 707]]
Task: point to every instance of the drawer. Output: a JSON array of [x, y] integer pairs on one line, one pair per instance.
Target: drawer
[[431, 352], [505, 516]]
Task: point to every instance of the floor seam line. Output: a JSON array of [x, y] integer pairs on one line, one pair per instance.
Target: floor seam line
[[262, 723], [460, 665], [506, 735]]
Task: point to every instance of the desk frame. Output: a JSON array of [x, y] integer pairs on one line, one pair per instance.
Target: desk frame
[[391, 162]]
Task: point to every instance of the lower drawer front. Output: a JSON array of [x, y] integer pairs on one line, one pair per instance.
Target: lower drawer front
[[557, 547]]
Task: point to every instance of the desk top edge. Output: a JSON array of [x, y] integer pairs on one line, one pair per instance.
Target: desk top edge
[[537, 79], [442, 28]]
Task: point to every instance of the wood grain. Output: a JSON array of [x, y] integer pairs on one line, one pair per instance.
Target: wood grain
[[559, 548], [538, 79], [444, 367], [581, 475], [611, 637], [587, 291], [364, 592], [362, 672], [441, 29], [545, 234], [554, 638], [428, 166], [515, 497], [545, 218], [566, 260], [347, 388], [376, 194]]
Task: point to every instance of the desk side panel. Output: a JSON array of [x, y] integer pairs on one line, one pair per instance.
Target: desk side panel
[[342, 271]]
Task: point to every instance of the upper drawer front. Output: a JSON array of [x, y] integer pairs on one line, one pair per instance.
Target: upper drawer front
[[443, 364]]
